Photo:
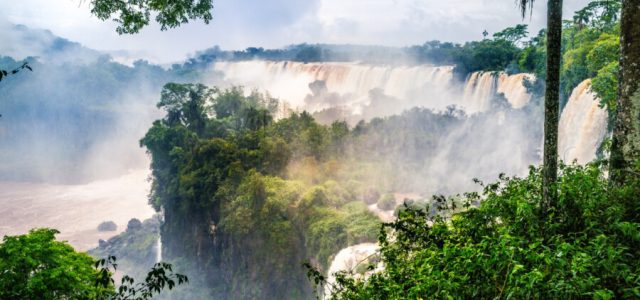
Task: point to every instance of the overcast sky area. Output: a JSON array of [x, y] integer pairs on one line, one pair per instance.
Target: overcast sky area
[[238, 24]]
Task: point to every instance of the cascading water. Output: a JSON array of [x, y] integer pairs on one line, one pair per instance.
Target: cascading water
[[348, 259], [481, 87], [513, 88], [289, 80], [479, 90], [583, 126], [159, 249], [159, 242], [351, 84]]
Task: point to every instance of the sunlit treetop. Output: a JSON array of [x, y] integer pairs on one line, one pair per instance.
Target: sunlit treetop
[[133, 15]]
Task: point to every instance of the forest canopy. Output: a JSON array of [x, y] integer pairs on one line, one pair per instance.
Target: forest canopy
[[254, 195]]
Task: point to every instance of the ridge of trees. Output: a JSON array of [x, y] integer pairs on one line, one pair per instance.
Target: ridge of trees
[[36, 266]]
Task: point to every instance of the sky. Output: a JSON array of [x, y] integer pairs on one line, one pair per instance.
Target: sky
[[238, 24]]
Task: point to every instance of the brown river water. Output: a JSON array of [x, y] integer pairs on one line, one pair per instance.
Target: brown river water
[[75, 210]]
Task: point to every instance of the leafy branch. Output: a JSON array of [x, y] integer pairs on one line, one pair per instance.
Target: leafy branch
[[160, 276], [5, 73]]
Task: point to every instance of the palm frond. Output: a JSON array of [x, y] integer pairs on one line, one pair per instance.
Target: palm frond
[[525, 5]]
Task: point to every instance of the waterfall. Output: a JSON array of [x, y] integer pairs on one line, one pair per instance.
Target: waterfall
[[348, 259], [159, 249], [481, 87], [289, 80], [351, 84], [479, 90], [583, 126], [513, 88]]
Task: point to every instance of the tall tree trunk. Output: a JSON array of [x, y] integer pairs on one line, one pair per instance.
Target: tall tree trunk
[[552, 104], [625, 149]]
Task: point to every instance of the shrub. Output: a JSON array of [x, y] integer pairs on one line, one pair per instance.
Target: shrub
[[134, 224], [587, 247], [107, 226], [36, 266], [387, 202]]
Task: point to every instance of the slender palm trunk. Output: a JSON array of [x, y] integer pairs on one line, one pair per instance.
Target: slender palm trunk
[[625, 149], [552, 105]]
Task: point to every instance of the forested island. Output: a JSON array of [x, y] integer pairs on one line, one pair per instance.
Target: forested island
[[417, 172]]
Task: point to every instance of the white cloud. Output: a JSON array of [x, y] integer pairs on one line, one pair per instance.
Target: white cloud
[[241, 23]]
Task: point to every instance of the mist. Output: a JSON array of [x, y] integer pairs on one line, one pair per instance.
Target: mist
[[69, 137], [486, 126], [70, 131]]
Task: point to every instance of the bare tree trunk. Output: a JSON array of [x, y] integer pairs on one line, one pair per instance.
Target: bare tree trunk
[[552, 105], [625, 149]]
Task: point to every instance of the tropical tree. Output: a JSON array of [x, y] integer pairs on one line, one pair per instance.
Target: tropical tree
[[134, 15], [36, 266], [601, 14], [186, 104], [512, 34], [625, 148], [551, 99]]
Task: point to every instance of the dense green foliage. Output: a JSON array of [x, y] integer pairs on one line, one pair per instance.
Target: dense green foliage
[[220, 175], [35, 266], [587, 248], [246, 199], [159, 277], [591, 49], [486, 55], [134, 15]]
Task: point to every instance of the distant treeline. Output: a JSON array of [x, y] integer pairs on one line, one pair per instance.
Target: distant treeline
[[590, 39], [499, 53], [488, 54]]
